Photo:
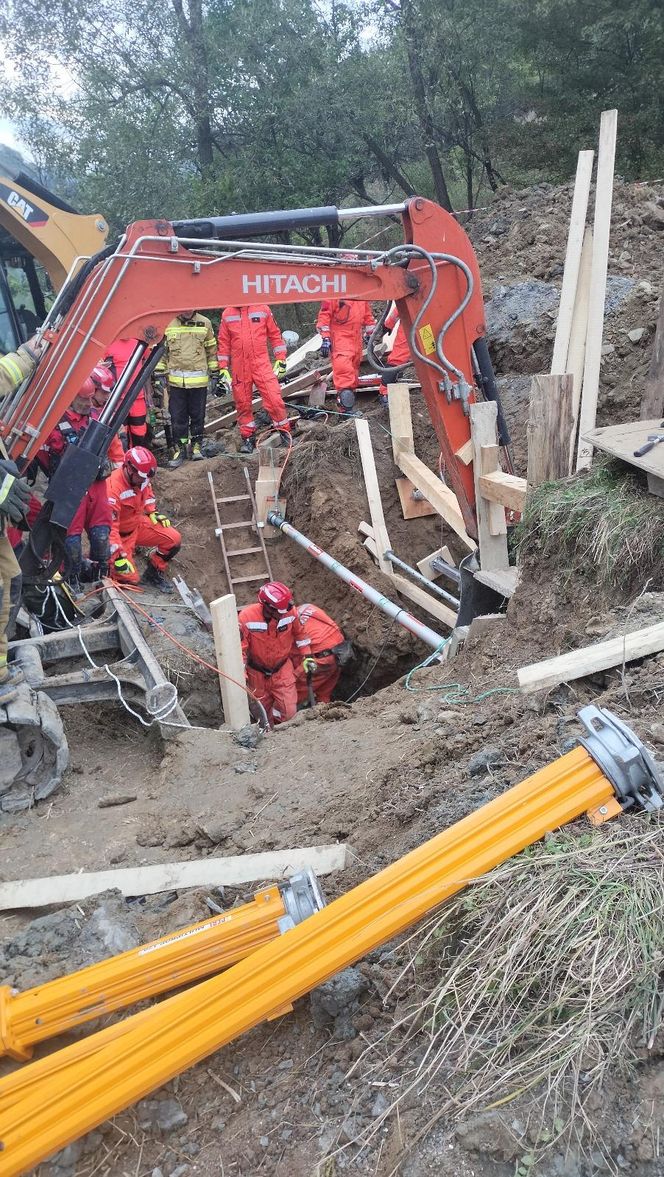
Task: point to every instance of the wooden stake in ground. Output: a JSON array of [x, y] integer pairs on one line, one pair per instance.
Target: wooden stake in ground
[[549, 427], [576, 355], [577, 224], [229, 660], [652, 404], [601, 230], [491, 525]]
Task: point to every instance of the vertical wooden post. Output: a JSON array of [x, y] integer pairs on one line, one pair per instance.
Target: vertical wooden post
[[401, 421], [549, 427], [601, 231], [493, 547], [229, 660], [373, 495], [584, 171], [576, 354], [652, 403]]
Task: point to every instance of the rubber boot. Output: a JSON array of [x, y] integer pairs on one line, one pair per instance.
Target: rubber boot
[[100, 549], [178, 455], [196, 455], [155, 578], [73, 562], [248, 445], [346, 403]]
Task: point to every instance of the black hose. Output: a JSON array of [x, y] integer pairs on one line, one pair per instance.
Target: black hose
[[487, 381]]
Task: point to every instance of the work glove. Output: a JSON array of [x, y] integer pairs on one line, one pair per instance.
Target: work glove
[[225, 377], [279, 368], [124, 566], [325, 348], [15, 493], [155, 517], [213, 385], [309, 665]]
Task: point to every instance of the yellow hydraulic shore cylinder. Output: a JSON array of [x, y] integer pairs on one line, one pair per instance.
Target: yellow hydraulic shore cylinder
[[186, 955], [59, 1105]]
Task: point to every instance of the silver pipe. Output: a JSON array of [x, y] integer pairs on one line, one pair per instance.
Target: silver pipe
[[423, 632], [371, 210], [428, 584]]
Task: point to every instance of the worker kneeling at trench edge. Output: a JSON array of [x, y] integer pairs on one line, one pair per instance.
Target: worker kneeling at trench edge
[[273, 638], [330, 651], [136, 523]]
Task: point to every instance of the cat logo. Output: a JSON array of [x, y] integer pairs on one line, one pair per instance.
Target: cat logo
[[21, 207]]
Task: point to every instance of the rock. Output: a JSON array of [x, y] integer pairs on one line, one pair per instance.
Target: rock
[[115, 799], [351, 1129], [338, 993], [653, 216], [152, 833], [180, 1171], [157, 1173], [656, 731], [249, 736], [16, 800], [286, 1064], [263, 1141], [245, 766], [488, 1134], [607, 349], [636, 334], [482, 761], [162, 1115], [217, 829], [379, 1105]]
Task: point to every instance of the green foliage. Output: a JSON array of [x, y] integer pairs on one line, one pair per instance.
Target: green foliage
[[211, 106]]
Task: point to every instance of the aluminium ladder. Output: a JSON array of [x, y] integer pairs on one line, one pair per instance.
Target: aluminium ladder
[[225, 530]]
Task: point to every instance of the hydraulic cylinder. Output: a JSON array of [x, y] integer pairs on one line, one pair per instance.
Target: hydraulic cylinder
[[174, 960], [61, 1101]]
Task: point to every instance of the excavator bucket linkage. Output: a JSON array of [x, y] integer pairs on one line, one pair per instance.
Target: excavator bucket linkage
[[52, 1102]]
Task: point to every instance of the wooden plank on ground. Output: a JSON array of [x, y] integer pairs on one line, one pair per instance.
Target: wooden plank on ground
[[232, 871], [601, 231], [507, 489], [419, 596], [412, 508], [549, 427], [577, 345], [622, 440], [229, 661], [373, 494], [401, 421], [577, 225], [652, 402], [592, 659], [493, 546], [438, 494]]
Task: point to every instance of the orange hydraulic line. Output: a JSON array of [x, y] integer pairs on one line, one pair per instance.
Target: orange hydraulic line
[[189, 1026], [186, 955]]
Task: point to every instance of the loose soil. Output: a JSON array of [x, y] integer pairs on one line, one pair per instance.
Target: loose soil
[[383, 774]]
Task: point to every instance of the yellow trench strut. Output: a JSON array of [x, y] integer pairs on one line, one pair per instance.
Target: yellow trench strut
[[61, 1102], [186, 955]]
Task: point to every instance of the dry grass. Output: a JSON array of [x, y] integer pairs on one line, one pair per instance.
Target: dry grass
[[604, 523], [543, 978]]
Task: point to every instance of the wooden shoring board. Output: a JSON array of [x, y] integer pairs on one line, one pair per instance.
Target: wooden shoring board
[[506, 489], [621, 440], [577, 345], [375, 502], [425, 565], [401, 421], [411, 507], [308, 348], [592, 659], [502, 581], [549, 428], [442, 499], [233, 871], [652, 401], [577, 225], [492, 531], [600, 259], [228, 649]]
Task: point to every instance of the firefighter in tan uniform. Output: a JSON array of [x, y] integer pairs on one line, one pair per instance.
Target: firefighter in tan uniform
[[189, 364], [14, 504]]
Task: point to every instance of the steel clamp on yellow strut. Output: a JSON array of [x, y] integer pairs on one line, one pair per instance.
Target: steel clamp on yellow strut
[[52, 1102], [186, 955]]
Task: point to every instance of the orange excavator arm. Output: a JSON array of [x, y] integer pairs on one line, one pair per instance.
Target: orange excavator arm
[[160, 268]]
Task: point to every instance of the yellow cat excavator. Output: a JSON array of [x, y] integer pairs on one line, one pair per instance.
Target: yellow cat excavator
[[41, 239]]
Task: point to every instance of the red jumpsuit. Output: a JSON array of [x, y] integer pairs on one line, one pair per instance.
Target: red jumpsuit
[[400, 353], [93, 510], [132, 528], [343, 322], [243, 338], [117, 358], [269, 649], [324, 633]]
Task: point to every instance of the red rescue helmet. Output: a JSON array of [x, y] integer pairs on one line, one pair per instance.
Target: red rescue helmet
[[86, 391], [102, 377], [142, 460], [277, 595]]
